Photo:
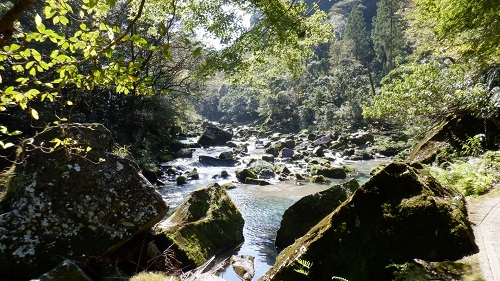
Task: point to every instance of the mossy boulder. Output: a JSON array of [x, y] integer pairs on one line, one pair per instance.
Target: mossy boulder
[[263, 169], [299, 218], [181, 180], [78, 200], [243, 174], [451, 134], [319, 179], [336, 172], [400, 214], [194, 175], [205, 223]]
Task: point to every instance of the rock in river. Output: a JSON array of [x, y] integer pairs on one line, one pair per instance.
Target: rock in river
[[400, 214], [78, 200], [214, 136], [205, 223], [299, 218]]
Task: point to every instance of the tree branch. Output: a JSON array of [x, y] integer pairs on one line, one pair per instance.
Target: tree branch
[[7, 28], [127, 31]]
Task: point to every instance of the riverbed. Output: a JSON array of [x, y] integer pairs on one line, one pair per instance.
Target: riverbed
[[261, 206]]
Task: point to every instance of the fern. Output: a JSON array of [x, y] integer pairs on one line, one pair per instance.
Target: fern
[[304, 267]]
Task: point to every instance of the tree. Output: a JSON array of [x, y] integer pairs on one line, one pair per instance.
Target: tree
[[388, 39], [459, 29], [355, 31], [424, 94], [73, 51]]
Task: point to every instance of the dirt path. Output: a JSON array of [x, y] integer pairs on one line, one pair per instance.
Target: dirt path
[[485, 215]]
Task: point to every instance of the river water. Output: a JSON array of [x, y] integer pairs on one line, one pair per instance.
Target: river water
[[262, 207]]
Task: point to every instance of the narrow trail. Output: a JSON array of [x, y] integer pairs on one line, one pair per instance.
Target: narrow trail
[[485, 216]]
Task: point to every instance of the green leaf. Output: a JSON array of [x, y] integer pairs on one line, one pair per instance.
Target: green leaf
[[14, 47], [36, 55], [34, 114], [48, 12], [38, 20], [111, 3], [29, 65], [64, 20]]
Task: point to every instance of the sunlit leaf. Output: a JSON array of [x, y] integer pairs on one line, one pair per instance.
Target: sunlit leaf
[[34, 114], [38, 20]]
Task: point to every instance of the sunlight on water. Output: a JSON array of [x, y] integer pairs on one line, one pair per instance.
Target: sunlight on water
[[261, 206]]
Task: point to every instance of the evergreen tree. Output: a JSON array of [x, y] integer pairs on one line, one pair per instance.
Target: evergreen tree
[[387, 34], [356, 33]]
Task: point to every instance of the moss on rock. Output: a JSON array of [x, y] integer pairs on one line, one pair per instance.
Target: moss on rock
[[400, 214], [205, 223]]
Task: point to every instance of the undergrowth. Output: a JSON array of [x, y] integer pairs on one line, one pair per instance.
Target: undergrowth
[[472, 176]]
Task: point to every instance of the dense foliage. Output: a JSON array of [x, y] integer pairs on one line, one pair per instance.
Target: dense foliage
[[134, 65]]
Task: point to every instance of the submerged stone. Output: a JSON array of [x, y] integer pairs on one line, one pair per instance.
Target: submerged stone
[[400, 214]]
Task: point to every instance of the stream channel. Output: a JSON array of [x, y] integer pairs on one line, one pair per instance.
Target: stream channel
[[262, 207]]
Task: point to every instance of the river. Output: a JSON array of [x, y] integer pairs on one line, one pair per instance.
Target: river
[[261, 206]]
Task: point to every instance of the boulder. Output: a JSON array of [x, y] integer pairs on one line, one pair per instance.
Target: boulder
[[194, 175], [184, 153], [216, 162], [452, 133], [206, 222], [319, 179], [243, 174], [360, 138], [335, 172], [214, 136], [268, 158], [243, 266], [226, 155], [263, 169], [319, 151], [78, 200], [286, 153], [324, 140], [299, 218], [400, 214]]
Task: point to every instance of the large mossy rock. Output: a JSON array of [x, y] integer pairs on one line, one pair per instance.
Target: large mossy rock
[[299, 218], [78, 200], [453, 133], [214, 136], [400, 214], [205, 223]]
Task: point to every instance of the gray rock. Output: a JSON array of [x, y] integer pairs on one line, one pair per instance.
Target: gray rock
[[286, 153], [319, 151], [243, 266], [184, 153], [216, 162], [214, 136], [226, 155], [324, 140], [72, 202]]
